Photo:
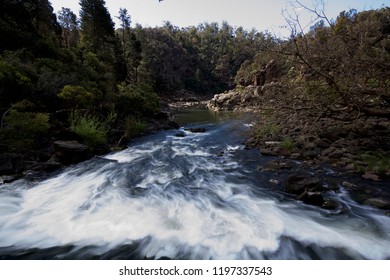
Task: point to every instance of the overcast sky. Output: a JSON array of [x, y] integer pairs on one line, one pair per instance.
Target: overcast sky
[[259, 14]]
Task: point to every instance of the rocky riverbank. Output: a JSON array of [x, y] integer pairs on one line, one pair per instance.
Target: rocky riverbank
[[65, 148], [295, 127]]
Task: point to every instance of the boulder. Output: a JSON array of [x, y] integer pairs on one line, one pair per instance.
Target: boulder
[[330, 204], [68, 152], [313, 198]]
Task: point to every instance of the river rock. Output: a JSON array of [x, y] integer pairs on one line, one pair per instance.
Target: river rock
[[330, 204], [71, 151], [336, 154], [298, 184], [328, 151], [180, 134], [349, 185], [277, 165], [380, 203], [313, 198], [322, 143], [269, 152], [274, 181], [296, 156], [311, 153], [371, 176], [8, 179]]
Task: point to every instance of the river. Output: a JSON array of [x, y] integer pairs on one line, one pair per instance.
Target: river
[[172, 197]]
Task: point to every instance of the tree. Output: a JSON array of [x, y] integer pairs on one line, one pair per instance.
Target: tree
[[69, 23], [125, 19], [131, 48], [349, 56], [26, 24], [97, 27]]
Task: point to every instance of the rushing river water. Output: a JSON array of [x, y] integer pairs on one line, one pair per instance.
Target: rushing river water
[[193, 197]]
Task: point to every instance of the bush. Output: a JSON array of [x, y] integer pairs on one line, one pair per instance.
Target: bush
[[92, 130], [134, 127], [136, 100], [288, 144], [14, 85], [76, 96], [376, 162], [22, 130]]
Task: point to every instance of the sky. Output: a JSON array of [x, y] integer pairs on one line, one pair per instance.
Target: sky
[[263, 15]]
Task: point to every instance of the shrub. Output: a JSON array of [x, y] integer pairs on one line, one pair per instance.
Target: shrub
[[287, 144], [92, 130], [376, 162], [136, 100], [76, 96], [22, 129], [134, 127], [14, 85]]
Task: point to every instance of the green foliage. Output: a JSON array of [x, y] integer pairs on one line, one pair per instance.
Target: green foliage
[[288, 144], [92, 129], [97, 28], [77, 96], [21, 130], [14, 85], [134, 127], [26, 23], [319, 91], [136, 100], [376, 162], [268, 130]]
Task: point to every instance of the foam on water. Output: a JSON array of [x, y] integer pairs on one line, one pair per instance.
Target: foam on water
[[189, 207]]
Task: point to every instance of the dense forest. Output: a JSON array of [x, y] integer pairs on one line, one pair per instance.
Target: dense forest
[[75, 77], [70, 77]]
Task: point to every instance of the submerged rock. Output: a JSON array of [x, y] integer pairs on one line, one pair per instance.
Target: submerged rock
[[196, 130], [180, 134]]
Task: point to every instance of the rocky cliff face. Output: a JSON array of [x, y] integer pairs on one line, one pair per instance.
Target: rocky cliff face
[[242, 98]]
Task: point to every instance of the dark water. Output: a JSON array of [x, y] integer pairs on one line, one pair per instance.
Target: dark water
[[197, 197]]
